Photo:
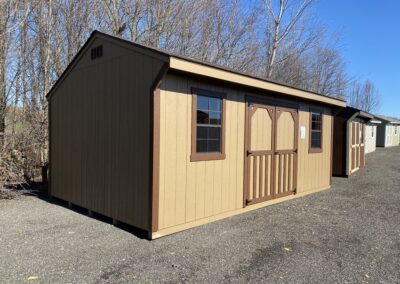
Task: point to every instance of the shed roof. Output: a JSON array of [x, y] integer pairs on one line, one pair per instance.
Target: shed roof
[[351, 112], [388, 119], [206, 69]]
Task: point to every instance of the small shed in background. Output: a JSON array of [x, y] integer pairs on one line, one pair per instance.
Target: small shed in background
[[349, 141], [388, 131], [370, 135]]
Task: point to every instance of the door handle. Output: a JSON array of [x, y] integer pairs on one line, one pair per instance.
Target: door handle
[[249, 153]]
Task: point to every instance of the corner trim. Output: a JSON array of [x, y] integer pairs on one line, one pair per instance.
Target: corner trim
[[155, 152]]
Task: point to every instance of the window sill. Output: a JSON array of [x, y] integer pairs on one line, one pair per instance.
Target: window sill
[[314, 150], [207, 157]]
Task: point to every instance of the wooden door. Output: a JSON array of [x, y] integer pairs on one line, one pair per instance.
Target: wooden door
[[260, 153], [357, 148], [286, 142], [362, 144], [271, 152]]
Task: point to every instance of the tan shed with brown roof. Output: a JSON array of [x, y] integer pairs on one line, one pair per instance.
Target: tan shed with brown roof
[[165, 143]]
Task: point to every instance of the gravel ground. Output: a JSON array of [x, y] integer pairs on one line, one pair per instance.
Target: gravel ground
[[349, 234]]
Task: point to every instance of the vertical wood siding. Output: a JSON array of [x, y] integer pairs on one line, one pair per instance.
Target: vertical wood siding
[[314, 168], [392, 138], [191, 191], [340, 141], [381, 135], [100, 135]]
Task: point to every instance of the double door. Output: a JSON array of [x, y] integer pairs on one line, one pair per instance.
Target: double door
[[271, 155], [357, 147]]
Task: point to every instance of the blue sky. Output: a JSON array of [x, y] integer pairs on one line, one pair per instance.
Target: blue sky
[[370, 31]]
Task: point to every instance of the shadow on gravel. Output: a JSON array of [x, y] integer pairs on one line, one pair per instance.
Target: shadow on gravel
[[40, 190]]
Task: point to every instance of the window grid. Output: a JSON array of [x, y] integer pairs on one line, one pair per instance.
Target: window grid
[[208, 125], [208, 128], [315, 131]]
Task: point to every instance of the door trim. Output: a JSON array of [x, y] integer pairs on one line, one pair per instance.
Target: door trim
[[273, 111], [249, 113], [295, 116]]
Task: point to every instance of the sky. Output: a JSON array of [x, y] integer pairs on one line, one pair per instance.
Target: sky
[[370, 33]]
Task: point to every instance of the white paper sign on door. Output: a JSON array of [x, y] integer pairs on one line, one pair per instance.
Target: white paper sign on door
[[302, 132]]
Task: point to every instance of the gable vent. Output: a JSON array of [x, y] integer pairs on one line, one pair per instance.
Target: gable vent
[[96, 52]]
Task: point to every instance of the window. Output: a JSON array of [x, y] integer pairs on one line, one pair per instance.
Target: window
[[207, 125], [315, 131], [395, 130], [372, 132]]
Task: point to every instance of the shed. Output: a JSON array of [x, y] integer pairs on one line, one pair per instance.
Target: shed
[[165, 143], [388, 131], [370, 135], [348, 141]]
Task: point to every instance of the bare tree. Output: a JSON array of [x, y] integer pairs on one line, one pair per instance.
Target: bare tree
[[7, 14], [284, 15], [364, 96], [277, 39]]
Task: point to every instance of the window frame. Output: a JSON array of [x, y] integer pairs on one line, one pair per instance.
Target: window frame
[[312, 149], [207, 156]]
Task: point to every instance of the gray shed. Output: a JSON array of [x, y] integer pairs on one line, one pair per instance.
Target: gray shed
[[388, 131]]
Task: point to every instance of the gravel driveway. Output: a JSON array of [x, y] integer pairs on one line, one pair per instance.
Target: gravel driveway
[[350, 233]]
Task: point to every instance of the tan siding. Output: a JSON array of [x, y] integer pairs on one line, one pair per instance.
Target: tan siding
[[100, 136], [194, 191], [314, 168]]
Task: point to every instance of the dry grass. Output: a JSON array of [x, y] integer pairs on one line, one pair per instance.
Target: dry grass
[[7, 194]]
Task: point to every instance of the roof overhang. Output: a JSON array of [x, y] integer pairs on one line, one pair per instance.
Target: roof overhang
[[365, 115], [197, 68], [387, 119]]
